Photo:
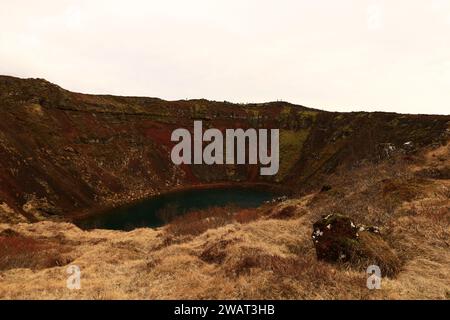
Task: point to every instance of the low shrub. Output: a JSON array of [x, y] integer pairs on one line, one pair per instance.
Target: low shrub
[[196, 222], [17, 251]]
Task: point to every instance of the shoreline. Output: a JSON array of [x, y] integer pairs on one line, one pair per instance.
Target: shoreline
[[87, 213]]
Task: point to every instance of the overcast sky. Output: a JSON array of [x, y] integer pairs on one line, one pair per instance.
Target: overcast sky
[[345, 55]]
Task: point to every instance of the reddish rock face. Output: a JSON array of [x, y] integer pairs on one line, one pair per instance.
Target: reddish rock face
[[62, 153]]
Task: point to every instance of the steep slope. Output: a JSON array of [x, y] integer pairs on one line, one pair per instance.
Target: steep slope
[[264, 253], [62, 153]]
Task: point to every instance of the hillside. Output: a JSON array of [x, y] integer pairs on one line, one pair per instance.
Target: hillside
[[64, 153]]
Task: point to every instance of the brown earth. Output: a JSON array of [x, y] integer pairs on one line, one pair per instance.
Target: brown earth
[[64, 153]]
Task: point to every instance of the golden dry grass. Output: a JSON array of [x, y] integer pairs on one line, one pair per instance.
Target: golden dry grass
[[256, 255]]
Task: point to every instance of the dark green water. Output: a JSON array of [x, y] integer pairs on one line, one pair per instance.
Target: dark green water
[[157, 211]]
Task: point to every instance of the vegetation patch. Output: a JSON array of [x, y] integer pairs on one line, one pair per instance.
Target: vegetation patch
[[196, 222], [291, 144], [17, 251], [338, 239]]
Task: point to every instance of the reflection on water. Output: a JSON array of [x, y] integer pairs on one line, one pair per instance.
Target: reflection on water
[[159, 210]]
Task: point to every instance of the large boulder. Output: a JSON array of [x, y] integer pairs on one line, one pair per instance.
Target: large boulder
[[334, 237], [338, 239]]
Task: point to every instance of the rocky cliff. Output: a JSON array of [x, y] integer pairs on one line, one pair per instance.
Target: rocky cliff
[[63, 153]]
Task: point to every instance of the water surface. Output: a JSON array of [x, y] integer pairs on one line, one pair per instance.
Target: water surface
[[158, 210]]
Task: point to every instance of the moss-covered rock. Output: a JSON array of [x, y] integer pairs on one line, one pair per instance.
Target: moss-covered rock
[[335, 238], [338, 239]]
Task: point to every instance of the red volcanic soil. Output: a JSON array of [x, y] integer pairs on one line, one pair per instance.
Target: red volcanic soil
[[63, 153]]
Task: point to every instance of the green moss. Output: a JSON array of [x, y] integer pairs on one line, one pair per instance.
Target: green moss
[[253, 115], [332, 218], [307, 114], [284, 116], [199, 110], [394, 122], [285, 111], [349, 243], [291, 145]]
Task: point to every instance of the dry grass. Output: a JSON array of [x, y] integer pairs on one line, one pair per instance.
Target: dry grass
[[375, 251], [17, 251], [247, 215], [196, 222], [261, 254]]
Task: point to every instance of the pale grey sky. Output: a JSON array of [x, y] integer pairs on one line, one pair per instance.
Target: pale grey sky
[[346, 55]]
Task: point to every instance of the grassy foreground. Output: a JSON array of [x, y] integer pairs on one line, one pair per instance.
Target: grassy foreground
[[263, 253]]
